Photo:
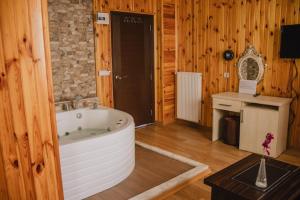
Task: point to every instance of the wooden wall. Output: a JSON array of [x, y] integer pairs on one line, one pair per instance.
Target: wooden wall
[[165, 47], [29, 160], [207, 28], [169, 54], [203, 30]]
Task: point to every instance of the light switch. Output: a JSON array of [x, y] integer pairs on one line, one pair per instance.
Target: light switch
[[102, 18], [104, 73]]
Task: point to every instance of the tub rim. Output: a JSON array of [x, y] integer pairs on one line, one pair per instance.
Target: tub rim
[[124, 126]]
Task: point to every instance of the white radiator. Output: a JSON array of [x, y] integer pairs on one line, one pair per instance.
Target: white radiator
[[189, 86]]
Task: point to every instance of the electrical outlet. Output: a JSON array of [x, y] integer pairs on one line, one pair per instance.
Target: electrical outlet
[[226, 75]]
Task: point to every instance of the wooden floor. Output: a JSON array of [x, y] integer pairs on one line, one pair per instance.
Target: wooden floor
[[194, 143], [151, 169]]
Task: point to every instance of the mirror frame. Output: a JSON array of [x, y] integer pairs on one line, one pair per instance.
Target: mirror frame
[[250, 52]]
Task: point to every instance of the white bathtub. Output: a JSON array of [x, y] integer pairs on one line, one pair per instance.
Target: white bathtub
[[99, 156]]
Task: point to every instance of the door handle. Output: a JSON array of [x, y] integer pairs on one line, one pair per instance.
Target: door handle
[[227, 105], [120, 77]]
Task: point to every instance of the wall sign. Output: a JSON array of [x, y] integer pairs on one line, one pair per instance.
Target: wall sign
[[102, 18]]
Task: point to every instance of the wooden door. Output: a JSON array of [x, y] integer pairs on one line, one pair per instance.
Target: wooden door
[[132, 53]]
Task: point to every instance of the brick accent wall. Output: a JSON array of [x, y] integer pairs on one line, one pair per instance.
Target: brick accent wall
[[72, 48]]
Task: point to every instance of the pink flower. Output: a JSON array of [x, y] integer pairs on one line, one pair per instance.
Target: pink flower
[[267, 142]]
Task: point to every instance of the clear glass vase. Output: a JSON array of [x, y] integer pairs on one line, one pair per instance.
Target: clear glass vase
[[261, 179]]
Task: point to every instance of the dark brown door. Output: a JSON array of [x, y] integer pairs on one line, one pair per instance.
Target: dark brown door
[[132, 50]]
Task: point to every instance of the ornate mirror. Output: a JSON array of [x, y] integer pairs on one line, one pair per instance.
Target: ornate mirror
[[251, 65]]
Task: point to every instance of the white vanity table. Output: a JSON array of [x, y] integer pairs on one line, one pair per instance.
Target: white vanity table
[[258, 116]]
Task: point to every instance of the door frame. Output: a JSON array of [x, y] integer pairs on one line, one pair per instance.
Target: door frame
[[104, 84], [153, 62]]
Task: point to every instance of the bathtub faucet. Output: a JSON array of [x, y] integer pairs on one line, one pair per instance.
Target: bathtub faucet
[[76, 101], [95, 105], [66, 106]]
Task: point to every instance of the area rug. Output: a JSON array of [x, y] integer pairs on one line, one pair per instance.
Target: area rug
[[157, 173], [187, 177]]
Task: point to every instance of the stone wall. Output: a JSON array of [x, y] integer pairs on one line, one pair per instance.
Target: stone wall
[[72, 48]]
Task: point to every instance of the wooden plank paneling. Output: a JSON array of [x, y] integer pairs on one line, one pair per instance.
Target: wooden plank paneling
[[51, 97], [158, 61], [3, 186], [185, 30], [5, 125], [219, 25], [165, 51], [14, 127], [169, 59], [103, 62], [295, 138], [28, 146], [204, 30]]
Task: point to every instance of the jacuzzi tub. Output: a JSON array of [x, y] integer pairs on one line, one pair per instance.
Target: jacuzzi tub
[[97, 150]]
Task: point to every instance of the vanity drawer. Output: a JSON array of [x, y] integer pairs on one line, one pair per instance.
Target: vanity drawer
[[225, 104]]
